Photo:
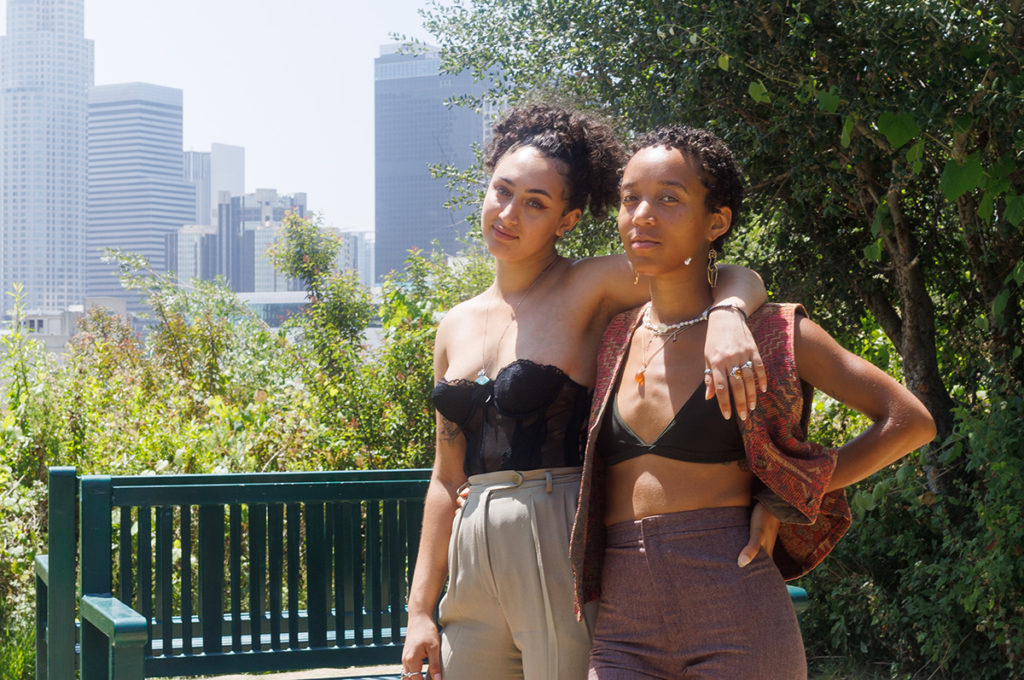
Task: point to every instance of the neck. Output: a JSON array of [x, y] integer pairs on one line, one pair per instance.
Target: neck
[[680, 295], [511, 278]]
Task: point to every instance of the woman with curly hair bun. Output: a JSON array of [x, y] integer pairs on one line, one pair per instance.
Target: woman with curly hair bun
[[515, 367]]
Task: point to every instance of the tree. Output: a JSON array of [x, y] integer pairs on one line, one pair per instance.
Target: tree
[[884, 147], [882, 141]]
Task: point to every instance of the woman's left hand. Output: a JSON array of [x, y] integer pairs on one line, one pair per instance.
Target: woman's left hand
[[734, 367], [764, 529]]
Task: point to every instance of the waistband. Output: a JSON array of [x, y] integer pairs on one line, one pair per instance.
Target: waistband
[[509, 479], [704, 519]]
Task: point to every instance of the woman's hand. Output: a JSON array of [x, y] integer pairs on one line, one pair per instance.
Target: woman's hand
[[764, 529], [733, 363], [422, 641]]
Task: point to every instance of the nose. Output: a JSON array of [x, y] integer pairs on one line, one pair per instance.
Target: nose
[[508, 213], [642, 213]]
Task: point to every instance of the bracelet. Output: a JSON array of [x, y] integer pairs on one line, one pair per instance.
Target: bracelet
[[734, 308]]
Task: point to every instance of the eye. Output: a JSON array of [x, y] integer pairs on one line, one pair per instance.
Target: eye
[[627, 199], [668, 198], [502, 191], [534, 203]]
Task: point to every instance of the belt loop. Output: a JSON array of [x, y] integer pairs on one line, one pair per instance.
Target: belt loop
[[547, 476]]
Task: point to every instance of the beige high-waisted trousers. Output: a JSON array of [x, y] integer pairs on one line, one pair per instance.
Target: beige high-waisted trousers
[[508, 611]]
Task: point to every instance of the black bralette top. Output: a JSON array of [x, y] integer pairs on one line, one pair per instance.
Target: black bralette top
[[697, 434], [530, 416]]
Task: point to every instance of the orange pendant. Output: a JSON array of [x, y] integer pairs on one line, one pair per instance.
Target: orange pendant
[[639, 377]]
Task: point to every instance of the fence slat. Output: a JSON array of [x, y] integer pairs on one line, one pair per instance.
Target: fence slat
[[187, 594], [316, 575], [257, 571], [211, 576], [235, 567], [275, 532], [164, 574]]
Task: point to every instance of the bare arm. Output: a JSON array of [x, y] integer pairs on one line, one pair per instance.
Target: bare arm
[[422, 640], [901, 422]]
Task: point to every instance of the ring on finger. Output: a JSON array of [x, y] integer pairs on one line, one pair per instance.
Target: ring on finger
[[412, 674], [749, 364], [735, 373], [707, 372]]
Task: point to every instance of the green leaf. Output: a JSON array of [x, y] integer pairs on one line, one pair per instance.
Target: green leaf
[[899, 128], [1014, 209], [828, 101], [873, 252], [959, 178], [1018, 273], [915, 154], [986, 208], [723, 62], [981, 323], [881, 219], [759, 92], [999, 304], [847, 130]]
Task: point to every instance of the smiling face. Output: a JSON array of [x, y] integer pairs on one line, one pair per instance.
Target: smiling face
[[663, 218], [524, 210]]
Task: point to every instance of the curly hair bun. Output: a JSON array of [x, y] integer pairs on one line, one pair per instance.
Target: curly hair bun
[[587, 145]]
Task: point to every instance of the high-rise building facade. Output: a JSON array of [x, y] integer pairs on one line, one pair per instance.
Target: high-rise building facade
[[197, 173], [414, 128], [46, 69], [222, 168], [137, 188], [246, 228]]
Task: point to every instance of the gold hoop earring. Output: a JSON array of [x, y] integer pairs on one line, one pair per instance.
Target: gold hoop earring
[[712, 267], [636, 274]]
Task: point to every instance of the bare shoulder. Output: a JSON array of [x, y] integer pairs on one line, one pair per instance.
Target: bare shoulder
[[609, 280], [453, 324]]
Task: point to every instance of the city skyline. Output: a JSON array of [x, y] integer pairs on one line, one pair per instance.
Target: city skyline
[[305, 68]]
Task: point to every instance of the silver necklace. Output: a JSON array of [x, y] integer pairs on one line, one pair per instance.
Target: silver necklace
[[660, 330], [670, 328], [481, 375]]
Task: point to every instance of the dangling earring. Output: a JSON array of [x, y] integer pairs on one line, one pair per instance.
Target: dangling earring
[[712, 267], [636, 274]]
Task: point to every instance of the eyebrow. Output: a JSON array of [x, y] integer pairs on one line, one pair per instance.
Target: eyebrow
[[506, 180], [664, 183]]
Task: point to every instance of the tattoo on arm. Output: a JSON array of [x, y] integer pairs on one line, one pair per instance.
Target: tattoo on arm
[[449, 430]]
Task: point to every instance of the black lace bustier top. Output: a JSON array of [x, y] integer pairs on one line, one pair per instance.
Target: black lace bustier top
[[530, 416]]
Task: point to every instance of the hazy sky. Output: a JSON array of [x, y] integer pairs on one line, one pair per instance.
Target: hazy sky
[[290, 80]]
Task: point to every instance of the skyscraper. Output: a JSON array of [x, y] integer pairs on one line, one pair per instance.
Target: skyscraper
[[137, 188], [46, 69], [415, 129], [222, 168]]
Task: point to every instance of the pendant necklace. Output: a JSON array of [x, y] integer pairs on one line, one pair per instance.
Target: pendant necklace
[[481, 376], [660, 330]]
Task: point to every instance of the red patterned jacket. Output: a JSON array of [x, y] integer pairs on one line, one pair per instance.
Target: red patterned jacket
[[793, 471]]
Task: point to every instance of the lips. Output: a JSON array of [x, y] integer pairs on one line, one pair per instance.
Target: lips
[[642, 243], [501, 233]]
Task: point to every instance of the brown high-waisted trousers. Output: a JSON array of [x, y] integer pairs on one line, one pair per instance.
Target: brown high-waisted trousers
[[674, 604]]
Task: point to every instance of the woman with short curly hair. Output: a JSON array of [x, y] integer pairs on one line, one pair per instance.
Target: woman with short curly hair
[[515, 369], [671, 490]]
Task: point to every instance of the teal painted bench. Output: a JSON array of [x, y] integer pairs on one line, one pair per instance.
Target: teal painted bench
[[285, 571], [208, 574]]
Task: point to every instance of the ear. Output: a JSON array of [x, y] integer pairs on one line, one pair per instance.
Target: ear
[[719, 223], [569, 221]]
